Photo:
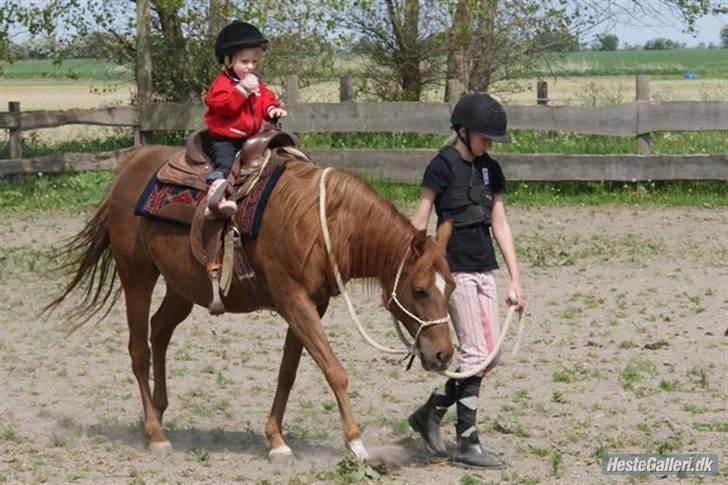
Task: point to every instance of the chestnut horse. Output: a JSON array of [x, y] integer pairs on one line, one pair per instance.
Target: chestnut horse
[[370, 239]]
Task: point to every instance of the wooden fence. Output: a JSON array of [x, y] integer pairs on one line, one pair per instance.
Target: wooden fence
[[636, 120]]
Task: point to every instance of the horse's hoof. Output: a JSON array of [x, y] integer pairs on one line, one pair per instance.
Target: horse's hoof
[[281, 456], [160, 448], [357, 447]]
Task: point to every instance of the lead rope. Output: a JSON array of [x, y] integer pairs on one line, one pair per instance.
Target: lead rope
[[337, 275], [411, 346]]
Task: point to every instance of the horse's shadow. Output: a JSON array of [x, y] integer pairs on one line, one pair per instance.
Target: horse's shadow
[[187, 440], [405, 452]]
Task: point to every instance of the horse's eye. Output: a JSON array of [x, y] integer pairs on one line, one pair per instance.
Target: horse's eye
[[419, 292]]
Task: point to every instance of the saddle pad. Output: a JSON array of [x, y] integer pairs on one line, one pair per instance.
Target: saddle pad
[[176, 203], [168, 202], [250, 208]]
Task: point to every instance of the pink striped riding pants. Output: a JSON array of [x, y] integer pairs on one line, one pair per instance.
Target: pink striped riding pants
[[474, 311]]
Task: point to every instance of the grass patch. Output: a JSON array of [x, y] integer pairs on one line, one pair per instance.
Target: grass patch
[[698, 376], [94, 69], [716, 426], [68, 191], [86, 189], [350, 471], [709, 63], [634, 371], [531, 141], [509, 425], [33, 144]]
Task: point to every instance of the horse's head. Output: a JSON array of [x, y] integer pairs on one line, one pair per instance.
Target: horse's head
[[422, 295]]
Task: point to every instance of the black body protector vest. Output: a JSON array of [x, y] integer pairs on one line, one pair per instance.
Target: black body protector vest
[[466, 200]]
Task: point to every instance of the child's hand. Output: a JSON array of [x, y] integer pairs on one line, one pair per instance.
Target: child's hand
[[250, 83], [278, 113]]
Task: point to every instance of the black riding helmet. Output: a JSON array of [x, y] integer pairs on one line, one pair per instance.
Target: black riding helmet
[[235, 36], [480, 113]]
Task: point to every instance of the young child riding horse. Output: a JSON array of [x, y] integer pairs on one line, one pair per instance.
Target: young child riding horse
[[238, 102]]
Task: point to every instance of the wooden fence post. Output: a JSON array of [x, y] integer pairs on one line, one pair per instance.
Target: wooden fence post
[[144, 69], [542, 93], [292, 90], [642, 141], [16, 134], [454, 90], [346, 89]]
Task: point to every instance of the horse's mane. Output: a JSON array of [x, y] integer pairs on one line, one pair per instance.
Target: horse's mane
[[353, 208]]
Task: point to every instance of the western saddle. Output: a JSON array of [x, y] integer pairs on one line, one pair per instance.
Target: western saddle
[[189, 168]]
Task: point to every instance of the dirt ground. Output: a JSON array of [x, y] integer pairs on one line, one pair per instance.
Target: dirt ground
[[623, 351]]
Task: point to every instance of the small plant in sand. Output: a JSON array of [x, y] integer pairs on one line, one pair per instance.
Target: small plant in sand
[[699, 376], [555, 459], [350, 471], [633, 372], [201, 454]]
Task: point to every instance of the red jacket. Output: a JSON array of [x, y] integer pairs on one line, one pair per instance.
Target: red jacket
[[230, 113]]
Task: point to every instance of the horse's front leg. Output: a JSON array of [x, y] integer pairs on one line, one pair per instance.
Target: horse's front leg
[[280, 452], [303, 319]]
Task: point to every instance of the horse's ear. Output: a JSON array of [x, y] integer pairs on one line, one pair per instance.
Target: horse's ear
[[444, 231], [418, 243]]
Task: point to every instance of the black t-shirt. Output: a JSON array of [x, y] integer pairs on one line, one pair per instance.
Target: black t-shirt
[[470, 248]]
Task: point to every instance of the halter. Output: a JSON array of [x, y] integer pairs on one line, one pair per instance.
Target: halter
[[411, 347], [423, 323]]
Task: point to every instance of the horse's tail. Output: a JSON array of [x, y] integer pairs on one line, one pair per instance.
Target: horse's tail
[[92, 267]]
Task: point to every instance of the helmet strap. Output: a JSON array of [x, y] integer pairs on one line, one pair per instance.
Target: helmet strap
[[465, 139]]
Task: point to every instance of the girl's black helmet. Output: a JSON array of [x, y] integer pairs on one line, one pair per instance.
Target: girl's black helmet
[[235, 36], [483, 114]]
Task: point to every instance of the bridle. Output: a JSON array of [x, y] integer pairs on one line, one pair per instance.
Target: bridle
[[411, 347]]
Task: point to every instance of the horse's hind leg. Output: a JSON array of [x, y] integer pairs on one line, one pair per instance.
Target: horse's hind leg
[[280, 453], [138, 284], [173, 310]]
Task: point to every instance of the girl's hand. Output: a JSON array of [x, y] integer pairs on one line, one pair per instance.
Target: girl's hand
[[515, 287], [277, 113], [250, 83]]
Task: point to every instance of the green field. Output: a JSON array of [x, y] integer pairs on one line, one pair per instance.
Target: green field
[[708, 63], [92, 69]]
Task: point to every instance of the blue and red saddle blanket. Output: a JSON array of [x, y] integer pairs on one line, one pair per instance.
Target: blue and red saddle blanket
[[177, 203]]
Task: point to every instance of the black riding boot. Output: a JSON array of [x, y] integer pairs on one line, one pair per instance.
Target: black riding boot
[[469, 452], [426, 420]]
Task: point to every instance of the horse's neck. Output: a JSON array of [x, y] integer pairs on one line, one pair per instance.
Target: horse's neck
[[378, 243]]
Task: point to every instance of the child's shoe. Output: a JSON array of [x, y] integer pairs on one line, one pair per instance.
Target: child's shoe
[[216, 200]]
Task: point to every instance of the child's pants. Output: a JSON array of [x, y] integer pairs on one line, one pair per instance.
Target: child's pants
[[222, 152], [474, 311]]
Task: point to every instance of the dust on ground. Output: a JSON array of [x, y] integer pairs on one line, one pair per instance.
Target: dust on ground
[[623, 351]]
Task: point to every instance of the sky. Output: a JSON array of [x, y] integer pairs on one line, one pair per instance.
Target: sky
[[707, 31]]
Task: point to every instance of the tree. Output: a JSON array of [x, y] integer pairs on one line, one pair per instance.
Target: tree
[[661, 43], [400, 45], [182, 36], [608, 42], [724, 36]]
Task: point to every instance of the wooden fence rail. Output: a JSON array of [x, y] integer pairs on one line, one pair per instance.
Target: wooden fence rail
[[623, 120], [636, 120]]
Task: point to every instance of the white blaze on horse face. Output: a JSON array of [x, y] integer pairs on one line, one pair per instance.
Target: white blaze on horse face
[[440, 282]]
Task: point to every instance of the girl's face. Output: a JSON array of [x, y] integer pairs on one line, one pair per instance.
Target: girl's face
[[245, 61], [479, 144]]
